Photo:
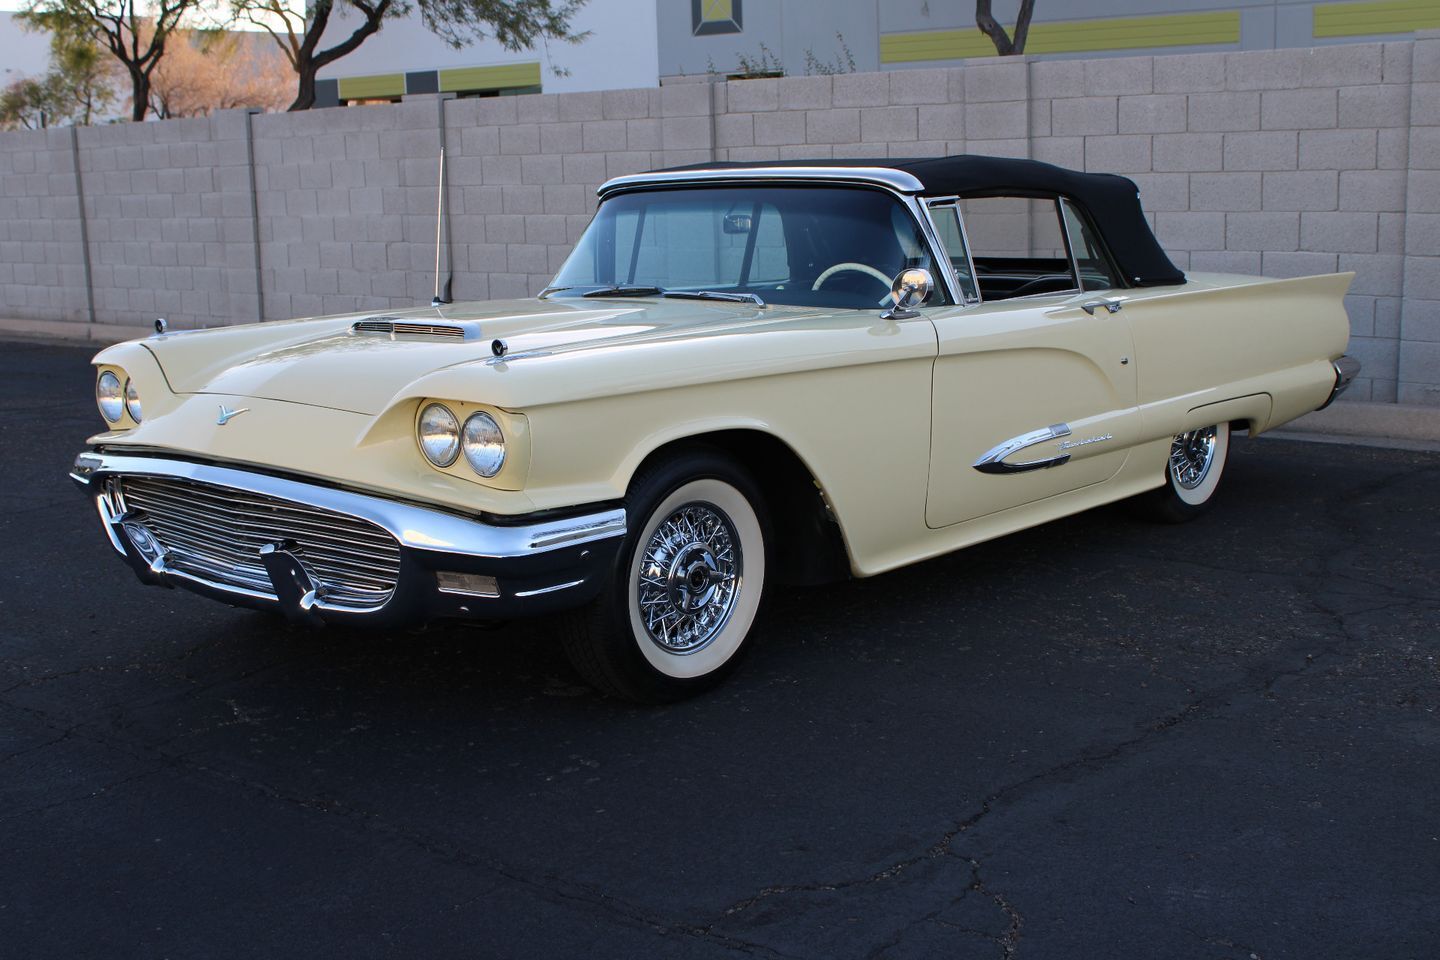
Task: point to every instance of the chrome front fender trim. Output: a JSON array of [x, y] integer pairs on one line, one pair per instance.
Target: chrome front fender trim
[[418, 528], [994, 459]]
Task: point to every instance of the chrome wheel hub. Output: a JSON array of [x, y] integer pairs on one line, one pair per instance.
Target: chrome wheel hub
[[1191, 456], [689, 578]]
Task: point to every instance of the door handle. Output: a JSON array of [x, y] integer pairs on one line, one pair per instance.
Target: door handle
[[1113, 305]]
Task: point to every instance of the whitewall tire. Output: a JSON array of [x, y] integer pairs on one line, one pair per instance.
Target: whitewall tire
[[1193, 471], [686, 586]]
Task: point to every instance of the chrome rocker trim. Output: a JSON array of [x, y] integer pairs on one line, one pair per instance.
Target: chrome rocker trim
[[538, 567]]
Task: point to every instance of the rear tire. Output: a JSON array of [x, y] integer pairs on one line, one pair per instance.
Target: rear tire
[[1192, 475], [675, 617]]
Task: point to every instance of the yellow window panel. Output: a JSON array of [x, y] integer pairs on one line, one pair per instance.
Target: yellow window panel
[[1071, 36], [372, 88], [1368, 19], [502, 77], [716, 10]]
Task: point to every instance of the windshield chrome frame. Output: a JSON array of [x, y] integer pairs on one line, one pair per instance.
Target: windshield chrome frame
[[897, 181]]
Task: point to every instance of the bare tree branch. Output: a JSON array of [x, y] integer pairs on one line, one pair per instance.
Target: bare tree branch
[[1004, 45], [135, 39]]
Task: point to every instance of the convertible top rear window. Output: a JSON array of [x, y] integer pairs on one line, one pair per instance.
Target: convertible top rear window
[[799, 245]]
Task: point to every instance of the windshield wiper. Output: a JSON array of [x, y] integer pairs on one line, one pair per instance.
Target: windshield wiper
[[714, 295], [623, 291]]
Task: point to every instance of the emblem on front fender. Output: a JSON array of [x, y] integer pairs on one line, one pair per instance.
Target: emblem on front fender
[[226, 414], [1072, 444]]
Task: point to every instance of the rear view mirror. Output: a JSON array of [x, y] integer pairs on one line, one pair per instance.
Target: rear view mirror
[[737, 223]]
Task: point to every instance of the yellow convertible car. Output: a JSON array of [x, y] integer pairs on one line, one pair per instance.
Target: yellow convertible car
[[744, 374]]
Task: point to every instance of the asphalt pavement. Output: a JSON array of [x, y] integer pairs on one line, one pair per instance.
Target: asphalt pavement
[[1098, 738]]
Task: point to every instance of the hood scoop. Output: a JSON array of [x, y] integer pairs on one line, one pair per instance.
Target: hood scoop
[[393, 327]]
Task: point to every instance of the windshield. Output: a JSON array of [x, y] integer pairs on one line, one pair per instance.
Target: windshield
[[801, 245]]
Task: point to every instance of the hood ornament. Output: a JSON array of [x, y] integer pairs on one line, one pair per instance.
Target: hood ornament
[[226, 414]]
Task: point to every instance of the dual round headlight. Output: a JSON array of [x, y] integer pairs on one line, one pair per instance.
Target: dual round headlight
[[132, 400], [442, 439], [110, 395], [115, 399]]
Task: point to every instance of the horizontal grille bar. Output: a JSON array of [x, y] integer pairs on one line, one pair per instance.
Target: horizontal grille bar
[[215, 533]]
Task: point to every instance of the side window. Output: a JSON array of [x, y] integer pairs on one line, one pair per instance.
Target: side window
[[1018, 246], [1096, 273], [947, 226]]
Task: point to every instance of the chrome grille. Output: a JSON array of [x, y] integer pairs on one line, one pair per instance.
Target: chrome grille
[[215, 533], [413, 328]]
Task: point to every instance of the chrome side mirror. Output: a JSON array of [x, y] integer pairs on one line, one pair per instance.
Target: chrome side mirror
[[911, 288]]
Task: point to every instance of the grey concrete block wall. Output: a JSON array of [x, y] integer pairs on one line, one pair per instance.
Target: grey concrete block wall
[[168, 211], [42, 257], [1283, 162]]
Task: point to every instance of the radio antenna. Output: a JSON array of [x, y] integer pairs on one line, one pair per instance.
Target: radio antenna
[[439, 224]]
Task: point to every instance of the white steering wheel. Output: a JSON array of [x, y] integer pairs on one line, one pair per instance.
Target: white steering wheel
[[848, 265]]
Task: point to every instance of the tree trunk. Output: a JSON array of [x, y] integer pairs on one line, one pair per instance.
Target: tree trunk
[[1005, 46], [305, 72], [140, 84]]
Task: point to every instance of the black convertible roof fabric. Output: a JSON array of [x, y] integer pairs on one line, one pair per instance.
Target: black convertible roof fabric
[[1112, 202]]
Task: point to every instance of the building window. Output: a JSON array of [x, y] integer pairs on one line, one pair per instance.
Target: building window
[[708, 17]]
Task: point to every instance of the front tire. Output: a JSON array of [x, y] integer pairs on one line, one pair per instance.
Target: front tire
[[676, 616], [1192, 475]]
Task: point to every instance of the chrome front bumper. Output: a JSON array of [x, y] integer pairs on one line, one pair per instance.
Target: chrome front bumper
[[450, 565]]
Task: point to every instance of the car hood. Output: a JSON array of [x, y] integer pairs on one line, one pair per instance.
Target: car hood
[[327, 362]]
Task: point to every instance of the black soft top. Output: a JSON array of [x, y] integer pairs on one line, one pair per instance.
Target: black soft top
[[1112, 202]]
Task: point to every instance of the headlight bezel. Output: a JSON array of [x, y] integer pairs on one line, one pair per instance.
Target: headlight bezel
[[488, 423], [118, 397], [512, 472], [420, 437]]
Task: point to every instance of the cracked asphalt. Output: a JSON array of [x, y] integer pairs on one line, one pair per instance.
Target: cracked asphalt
[[1098, 738]]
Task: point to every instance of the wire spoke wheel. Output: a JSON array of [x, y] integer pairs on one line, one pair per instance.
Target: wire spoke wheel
[[1191, 456], [689, 578]]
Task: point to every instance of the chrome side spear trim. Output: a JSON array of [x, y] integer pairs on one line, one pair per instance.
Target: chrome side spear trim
[[994, 459]]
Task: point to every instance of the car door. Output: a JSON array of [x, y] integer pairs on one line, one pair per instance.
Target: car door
[[1034, 394]]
